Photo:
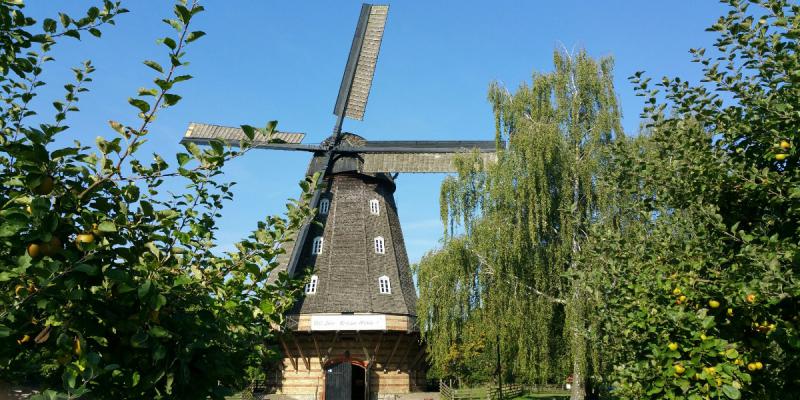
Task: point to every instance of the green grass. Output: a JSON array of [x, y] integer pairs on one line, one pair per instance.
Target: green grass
[[544, 395]]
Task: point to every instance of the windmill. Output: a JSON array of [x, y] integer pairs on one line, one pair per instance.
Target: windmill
[[358, 315]]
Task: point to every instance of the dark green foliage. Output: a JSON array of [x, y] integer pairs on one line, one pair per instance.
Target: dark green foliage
[[108, 283], [711, 207]]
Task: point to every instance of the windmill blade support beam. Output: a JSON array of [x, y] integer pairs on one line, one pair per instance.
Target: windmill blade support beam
[[360, 68], [417, 162], [257, 144], [414, 149]]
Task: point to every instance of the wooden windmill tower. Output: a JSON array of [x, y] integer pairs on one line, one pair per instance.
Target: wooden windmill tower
[[354, 334]]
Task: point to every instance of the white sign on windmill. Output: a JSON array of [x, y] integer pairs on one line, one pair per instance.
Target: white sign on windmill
[[348, 322]]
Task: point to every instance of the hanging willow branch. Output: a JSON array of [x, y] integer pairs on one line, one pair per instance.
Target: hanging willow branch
[[515, 280]]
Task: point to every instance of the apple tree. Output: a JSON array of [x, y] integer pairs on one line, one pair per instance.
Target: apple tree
[[700, 294], [110, 284]]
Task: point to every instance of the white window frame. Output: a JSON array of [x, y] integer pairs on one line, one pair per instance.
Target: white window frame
[[317, 244], [380, 245], [384, 286], [324, 206], [311, 286], [374, 207]]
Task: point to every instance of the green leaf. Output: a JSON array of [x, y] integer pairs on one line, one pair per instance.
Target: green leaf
[[12, 224], [65, 19], [158, 302], [4, 331], [175, 24], [683, 384], [107, 227], [252, 268], [183, 158], [66, 151], [116, 275], [168, 384], [171, 99], [183, 13], [218, 146], [87, 269], [249, 131], [147, 92], [194, 36], [49, 25], [139, 340], [154, 65], [732, 354], [142, 105], [169, 42], [73, 33], [69, 377], [271, 125], [144, 289], [119, 128], [181, 78], [731, 392], [182, 280], [267, 307], [159, 332]]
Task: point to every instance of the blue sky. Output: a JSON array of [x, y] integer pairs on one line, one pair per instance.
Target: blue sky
[[264, 60]]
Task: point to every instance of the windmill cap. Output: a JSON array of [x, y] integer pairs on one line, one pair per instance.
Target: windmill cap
[[349, 139]]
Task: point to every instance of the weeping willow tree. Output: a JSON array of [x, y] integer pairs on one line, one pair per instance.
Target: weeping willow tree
[[505, 275]]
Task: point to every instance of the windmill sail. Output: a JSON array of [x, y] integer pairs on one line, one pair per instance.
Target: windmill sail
[[357, 79]]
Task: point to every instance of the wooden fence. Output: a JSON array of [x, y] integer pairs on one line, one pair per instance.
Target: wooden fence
[[481, 393]]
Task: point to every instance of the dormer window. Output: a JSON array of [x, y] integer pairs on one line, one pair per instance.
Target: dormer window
[[311, 286], [324, 206], [316, 245], [384, 286], [380, 247], [374, 207]]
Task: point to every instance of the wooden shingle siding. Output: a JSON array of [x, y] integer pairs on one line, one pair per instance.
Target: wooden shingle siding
[[348, 267]]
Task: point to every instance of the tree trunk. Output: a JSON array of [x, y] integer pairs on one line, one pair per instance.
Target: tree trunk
[[578, 387], [578, 391]]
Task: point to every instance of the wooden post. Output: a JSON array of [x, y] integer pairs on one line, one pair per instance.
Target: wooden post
[[391, 356], [404, 358], [306, 361], [377, 347], [319, 355], [363, 346], [330, 348], [288, 353]]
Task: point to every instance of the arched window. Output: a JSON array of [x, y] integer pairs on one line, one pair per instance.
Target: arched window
[[324, 205], [380, 248], [384, 286], [311, 286], [374, 207], [316, 245]]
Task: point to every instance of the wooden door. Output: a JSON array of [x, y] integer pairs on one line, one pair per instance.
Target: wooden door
[[339, 381]]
